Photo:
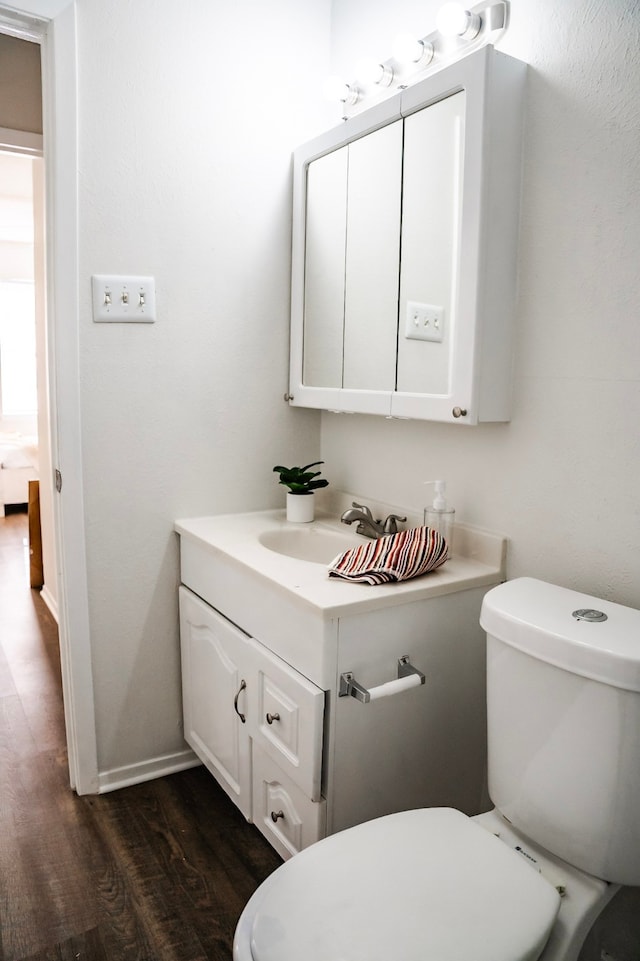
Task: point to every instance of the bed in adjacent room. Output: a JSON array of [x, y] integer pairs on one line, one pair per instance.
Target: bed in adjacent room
[[18, 466]]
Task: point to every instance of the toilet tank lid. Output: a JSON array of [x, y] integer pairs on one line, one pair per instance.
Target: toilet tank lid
[[563, 628]]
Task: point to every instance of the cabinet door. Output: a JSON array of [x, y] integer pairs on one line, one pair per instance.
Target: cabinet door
[[431, 208], [326, 225], [372, 260], [214, 699], [352, 262], [285, 718]]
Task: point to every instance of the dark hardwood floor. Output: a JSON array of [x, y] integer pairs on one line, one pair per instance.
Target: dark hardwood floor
[[155, 872]]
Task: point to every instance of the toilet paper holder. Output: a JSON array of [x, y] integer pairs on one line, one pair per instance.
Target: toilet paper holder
[[408, 676]]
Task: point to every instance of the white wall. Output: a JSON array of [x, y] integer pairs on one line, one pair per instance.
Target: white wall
[[561, 480], [186, 129], [187, 118]]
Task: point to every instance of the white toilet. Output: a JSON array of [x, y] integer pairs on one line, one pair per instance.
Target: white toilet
[[524, 881]]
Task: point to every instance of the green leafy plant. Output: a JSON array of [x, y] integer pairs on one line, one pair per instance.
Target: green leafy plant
[[301, 480]]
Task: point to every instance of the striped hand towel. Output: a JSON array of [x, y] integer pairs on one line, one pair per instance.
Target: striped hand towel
[[394, 557]]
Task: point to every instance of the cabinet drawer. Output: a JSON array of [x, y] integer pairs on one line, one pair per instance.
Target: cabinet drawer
[[288, 819], [286, 719]]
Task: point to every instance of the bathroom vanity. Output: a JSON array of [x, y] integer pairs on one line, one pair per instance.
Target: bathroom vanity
[[273, 654]]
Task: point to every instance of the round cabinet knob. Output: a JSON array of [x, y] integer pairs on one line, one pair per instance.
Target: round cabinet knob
[[275, 815], [272, 717], [459, 411]]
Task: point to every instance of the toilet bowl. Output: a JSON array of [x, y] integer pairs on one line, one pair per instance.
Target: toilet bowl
[[422, 885], [432, 884]]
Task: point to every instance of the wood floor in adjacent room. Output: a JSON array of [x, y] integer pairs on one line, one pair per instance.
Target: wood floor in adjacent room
[[155, 872]]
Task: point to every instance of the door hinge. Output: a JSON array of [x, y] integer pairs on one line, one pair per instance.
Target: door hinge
[[58, 480]]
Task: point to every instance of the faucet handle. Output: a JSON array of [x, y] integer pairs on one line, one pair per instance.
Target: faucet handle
[[390, 525], [364, 508]]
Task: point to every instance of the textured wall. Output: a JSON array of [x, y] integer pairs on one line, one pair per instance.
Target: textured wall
[[560, 480], [186, 125]]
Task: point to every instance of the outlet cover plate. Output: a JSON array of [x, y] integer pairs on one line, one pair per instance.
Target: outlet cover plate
[[424, 322]]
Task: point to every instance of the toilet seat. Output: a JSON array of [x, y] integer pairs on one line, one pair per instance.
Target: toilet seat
[[424, 885]]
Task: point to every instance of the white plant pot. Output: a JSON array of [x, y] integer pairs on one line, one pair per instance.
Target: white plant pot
[[300, 507]]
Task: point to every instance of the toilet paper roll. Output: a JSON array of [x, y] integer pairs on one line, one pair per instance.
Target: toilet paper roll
[[395, 687]]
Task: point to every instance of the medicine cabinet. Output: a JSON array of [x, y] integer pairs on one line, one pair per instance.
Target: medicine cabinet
[[405, 250]]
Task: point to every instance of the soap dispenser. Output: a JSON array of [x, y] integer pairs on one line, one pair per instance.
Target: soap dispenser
[[439, 517]]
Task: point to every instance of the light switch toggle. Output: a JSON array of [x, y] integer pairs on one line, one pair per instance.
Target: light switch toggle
[[424, 322], [118, 299]]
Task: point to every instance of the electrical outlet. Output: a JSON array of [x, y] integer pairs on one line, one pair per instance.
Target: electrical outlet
[[424, 322], [123, 299]]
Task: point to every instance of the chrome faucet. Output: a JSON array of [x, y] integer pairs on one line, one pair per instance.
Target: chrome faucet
[[367, 526]]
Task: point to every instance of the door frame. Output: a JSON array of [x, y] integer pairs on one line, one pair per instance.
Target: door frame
[[52, 24]]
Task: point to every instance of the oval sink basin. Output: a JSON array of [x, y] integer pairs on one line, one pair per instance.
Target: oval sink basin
[[314, 544]]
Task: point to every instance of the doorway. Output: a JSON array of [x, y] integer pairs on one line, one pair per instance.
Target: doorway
[[24, 422], [51, 25], [25, 462]]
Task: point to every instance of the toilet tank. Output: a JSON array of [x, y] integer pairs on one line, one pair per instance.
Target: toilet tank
[[563, 706]]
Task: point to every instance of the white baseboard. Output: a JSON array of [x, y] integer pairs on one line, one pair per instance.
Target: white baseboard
[[146, 770], [51, 602]]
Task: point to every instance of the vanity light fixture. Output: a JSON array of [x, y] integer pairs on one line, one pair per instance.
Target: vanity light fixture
[[371, 72], [454, 21], [459, 30], [408, 49]]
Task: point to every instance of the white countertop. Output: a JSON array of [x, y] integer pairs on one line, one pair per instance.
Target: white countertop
[[478, 560]]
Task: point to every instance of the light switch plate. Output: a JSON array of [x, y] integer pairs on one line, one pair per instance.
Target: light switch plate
[[424, 322], [123, 300]]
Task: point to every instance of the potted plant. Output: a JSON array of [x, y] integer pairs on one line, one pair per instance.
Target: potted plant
[[302, 482]]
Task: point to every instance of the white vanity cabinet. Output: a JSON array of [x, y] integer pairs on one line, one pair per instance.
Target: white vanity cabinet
[[267, 641], [256, 724]]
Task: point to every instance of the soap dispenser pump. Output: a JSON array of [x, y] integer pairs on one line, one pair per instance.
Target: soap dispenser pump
[[439, 517]]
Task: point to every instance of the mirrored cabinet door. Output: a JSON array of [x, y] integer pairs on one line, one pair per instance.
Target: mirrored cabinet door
[[431, 209], [351, 264], [326, 222], [373, 260]]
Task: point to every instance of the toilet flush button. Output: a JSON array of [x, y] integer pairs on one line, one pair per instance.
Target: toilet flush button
[[588, 614]]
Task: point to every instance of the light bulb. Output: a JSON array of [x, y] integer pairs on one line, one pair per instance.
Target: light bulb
[[370, 72], [454, 21], [335, 88], [407, 49]]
